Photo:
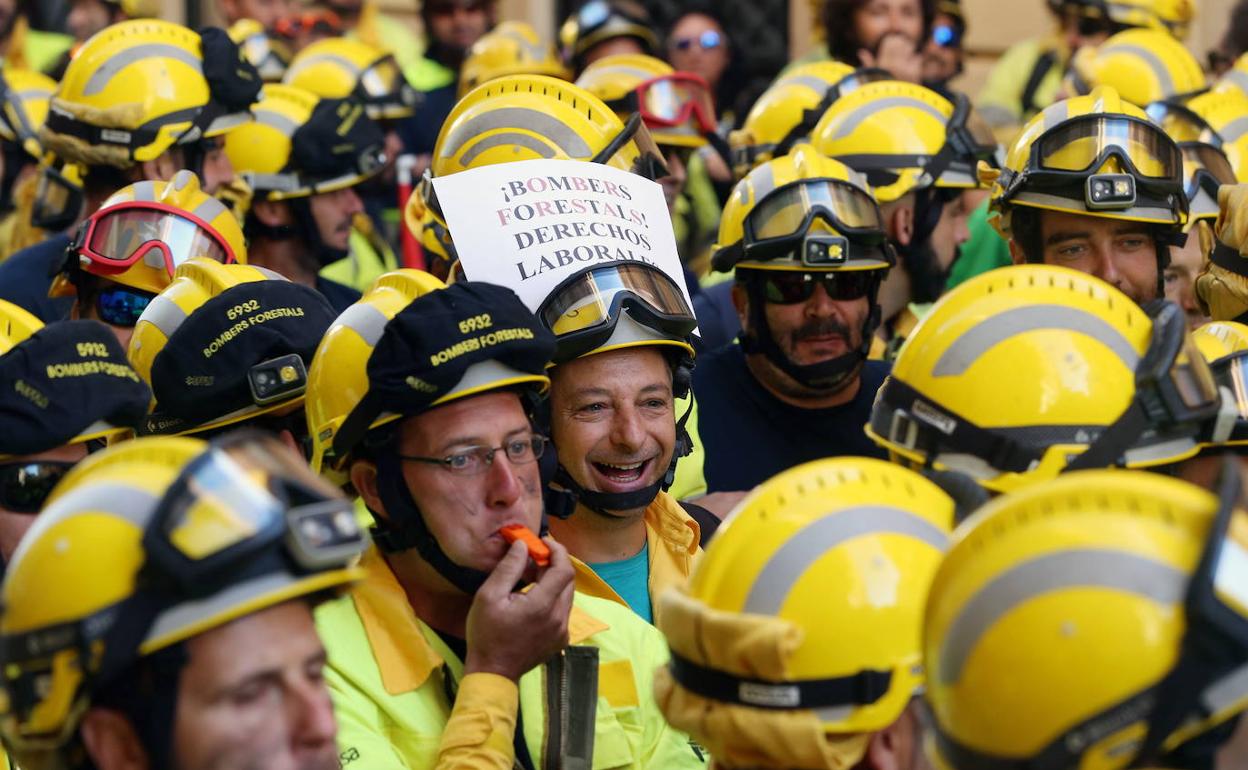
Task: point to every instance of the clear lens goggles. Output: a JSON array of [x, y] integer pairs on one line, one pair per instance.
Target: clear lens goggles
[[1085, 144], [246, 498], [1177, 121], [58, 196], [787, 217], [649, 163], [119, 236], [583, 310], [385, 91], [1204, 166]]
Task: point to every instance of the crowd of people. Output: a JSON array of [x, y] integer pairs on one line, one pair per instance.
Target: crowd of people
[[903, 432]]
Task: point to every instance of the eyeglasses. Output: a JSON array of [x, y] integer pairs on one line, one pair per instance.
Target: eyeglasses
[[707, 41], [25, 485], [790, 288], [475, 460], [121, 305]]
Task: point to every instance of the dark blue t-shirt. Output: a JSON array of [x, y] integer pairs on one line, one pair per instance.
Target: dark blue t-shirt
[[340, 296], [749, 435], [26, 276]]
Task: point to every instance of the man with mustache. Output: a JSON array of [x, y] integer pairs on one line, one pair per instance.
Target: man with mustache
[[809, 251]]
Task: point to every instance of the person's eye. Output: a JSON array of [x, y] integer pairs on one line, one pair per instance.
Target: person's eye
[[1132, 244], [1171, 277], [1071, 252], [519, 448], [593, 408], [461, 461], [250, 692]]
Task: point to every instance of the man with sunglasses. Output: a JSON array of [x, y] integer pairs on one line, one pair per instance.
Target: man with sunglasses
[[160, 613], [1094, 185], [127, 251], [193, 86], [421, 399], [70, 390], [809, 251], [226, 346]]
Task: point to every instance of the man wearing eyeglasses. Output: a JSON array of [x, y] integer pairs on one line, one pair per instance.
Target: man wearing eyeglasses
[[421, 399], [809, 251], [70, 390]]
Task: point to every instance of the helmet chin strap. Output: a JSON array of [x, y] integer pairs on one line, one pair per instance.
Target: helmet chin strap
[[827, 375]]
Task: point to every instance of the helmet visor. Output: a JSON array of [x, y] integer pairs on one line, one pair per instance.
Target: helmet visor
[[384, 90], [672, 100], [593, 299], [1084, 144], [118, 237], [1179, 122]]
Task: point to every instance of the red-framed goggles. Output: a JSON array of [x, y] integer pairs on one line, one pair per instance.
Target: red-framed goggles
[[671, 100], [115, 238]]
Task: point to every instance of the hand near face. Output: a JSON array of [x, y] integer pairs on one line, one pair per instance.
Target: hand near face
[[511, 632], [896, 53]]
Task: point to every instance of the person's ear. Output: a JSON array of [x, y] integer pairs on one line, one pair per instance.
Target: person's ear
[[111, 741], [1017, 255], [364, 478], [901, 223], [272, 213], [164, 166]]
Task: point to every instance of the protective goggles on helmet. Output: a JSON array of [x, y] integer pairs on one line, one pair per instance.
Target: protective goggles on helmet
[[323, 22], [14, 123], [117, 237], [1205, 169], [1175, 395], [1067, 159], [782, 226], [384, 91], [671, 100], [246, 501], [267, 54], [584, 309], [1178, 121], [1200, 690], [26, 484], [1231, 375], [58, 195]]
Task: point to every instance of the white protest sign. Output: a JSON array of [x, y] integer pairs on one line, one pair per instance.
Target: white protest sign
[[529, 225]]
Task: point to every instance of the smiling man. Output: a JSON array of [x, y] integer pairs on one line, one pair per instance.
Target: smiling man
[[1092, 184], [617, 433]]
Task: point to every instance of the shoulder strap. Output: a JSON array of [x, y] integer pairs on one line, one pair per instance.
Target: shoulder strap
[[1043, 64], [707, 521]]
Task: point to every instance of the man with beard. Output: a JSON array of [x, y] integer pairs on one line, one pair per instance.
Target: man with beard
[[918, 151], [305, 204], [810, 252], [1092, 184]]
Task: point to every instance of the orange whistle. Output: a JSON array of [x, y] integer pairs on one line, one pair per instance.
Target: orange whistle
[[539, 552]]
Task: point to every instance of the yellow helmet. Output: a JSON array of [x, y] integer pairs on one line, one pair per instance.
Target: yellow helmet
[[430, 231], [786, 112], [678, 107], [1092, 381], [338, 67], [598, 21], [761, 647], [1065, 622], [521, 117], [281, 155], [225, 344], [1173, 16], [144, 231], [511, 48], [1222, 112], [338, 379], [1143, 65], [139, 87], [115, 569], [1219, 339], [1236, 78], [1224, 345], [905, 137], [71, 385], [25, 99], [809, 195], [269, 54], [1096, 155]]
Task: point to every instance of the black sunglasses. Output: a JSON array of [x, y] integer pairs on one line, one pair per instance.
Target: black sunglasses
[[790, 288], [26, 484]]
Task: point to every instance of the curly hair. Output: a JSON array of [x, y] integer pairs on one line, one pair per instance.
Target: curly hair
[[842, 35]]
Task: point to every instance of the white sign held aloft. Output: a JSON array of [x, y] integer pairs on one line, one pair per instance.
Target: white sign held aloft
[[529, 225]]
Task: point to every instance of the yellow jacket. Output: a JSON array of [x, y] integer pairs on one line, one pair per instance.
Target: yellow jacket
[[672, 536], [388, 677], [1001, 101]]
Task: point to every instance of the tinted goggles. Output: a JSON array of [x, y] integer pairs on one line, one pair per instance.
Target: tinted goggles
[[26, 484]]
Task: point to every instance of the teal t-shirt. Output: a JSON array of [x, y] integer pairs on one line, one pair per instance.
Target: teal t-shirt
[[630, 578]]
